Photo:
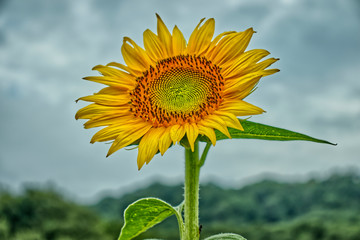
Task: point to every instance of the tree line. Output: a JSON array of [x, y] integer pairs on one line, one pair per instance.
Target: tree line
[[325, 209]]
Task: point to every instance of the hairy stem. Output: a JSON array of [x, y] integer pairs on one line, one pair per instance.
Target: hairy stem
[[191, 214], [204, 154]]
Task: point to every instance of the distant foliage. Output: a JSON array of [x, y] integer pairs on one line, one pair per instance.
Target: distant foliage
[[315, 210], [45, 215]]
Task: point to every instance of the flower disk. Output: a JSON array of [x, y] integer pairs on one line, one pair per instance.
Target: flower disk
[[182, 89], [174, 89]]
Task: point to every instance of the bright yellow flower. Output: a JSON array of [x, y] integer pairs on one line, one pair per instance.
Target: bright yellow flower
[[172, 88]]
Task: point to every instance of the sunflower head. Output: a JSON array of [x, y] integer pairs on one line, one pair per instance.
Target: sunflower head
[[174, 88]]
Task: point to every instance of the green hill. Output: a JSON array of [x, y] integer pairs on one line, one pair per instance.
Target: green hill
[[327, 209], [316, 209]]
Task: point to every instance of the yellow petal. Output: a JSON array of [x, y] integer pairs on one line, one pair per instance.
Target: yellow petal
[[216, 122], [125, 123], [112, 91], [239, 88], [149, 146], [128, 136], [154, 47], [133, 72], [94, 109], [105, 120], [113, 76], [108, 100], [245, 60], [209, 132], [178, 41], [165, 141], [141, 52], [230, 120], [261, 65], [113, 72], [216, 40], [177, 132], [270, 71], [113, 81], [240, 107], [235, 81], [200, 38], [230, 47], [164, 35], [106, 134], [133, 58], [192, 132]]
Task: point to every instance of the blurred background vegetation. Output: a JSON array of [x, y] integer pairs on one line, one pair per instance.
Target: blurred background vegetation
[[318, 209]]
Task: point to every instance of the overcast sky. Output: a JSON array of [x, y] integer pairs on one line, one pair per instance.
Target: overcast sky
[[46, 47]]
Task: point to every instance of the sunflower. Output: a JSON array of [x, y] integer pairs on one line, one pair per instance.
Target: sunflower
[[174, 88]]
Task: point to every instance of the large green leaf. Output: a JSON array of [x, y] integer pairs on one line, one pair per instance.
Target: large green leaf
[[226, 236], [144, 214], [254, 130]]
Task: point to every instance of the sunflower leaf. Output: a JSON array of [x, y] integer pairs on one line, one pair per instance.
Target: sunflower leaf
[[144, 214], [226, 236], [254, 130]]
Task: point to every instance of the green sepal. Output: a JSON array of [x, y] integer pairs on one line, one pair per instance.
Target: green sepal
[[254, 130], [144, 214], [226, 236]]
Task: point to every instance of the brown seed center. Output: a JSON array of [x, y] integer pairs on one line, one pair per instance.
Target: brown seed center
[[178, 90]]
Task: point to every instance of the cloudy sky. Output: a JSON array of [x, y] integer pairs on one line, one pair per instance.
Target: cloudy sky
[[46, 47]]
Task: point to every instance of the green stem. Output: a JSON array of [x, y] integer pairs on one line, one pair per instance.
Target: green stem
[[191, 214], [204, 154], [180, 210]]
